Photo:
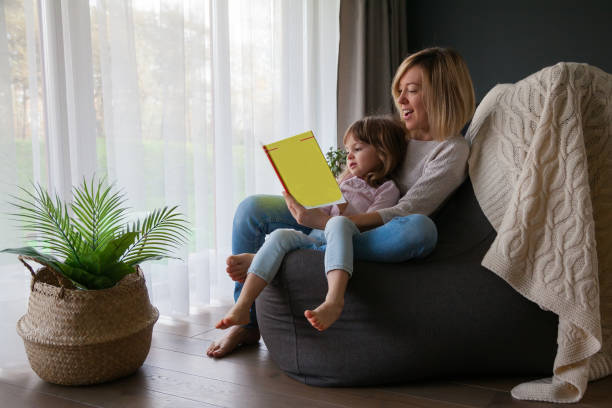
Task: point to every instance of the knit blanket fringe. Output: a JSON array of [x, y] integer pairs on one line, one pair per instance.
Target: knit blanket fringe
[[541, 166]]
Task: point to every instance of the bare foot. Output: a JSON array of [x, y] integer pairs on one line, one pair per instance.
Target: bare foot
[[237, 336], [236, 316], [325, 315], [238, 265]]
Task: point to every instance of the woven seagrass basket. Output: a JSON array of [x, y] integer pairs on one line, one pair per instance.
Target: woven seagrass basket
[[79, 337]]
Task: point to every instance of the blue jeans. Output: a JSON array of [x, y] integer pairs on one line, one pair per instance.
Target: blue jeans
[[400, 239], [336, 240]]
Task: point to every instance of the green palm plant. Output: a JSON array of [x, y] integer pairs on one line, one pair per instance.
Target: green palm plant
[[92, 245]]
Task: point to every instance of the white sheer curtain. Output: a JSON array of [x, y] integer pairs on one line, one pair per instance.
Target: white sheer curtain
[[170, 99]]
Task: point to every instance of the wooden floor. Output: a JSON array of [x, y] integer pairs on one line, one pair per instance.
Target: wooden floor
[[177, 374]]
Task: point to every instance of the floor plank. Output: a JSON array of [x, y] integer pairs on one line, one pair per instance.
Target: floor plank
[[447, 392], [215, 334], [222, 393], [259, 355], [253, 354], [495, 392], [180, 327], [14, 396], [270, 377], [503, 384], [206, 316], [126, 392], [177, 374]]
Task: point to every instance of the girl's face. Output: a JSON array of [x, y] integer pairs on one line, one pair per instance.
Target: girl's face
[[361, 157], [412, 106]]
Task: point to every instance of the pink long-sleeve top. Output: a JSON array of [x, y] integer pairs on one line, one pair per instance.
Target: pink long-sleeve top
[[363, 198]]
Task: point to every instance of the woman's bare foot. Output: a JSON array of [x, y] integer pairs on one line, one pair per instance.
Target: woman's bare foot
[[237, 336], [237, 315], [238, 265], [325, 315]]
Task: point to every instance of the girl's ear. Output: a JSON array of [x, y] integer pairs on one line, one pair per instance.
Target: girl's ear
[[383, 155]]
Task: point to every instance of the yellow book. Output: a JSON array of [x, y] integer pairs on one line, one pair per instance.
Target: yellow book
[[301, 167]]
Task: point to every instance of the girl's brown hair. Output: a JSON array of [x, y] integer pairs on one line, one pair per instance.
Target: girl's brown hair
[[447, 86], [388, 137]]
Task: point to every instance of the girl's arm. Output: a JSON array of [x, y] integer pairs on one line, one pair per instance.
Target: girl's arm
[[314, 218]]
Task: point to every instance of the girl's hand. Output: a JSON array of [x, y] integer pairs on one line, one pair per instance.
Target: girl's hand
[[312, 218]]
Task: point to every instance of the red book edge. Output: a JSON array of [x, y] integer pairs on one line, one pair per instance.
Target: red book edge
[[274, 166]]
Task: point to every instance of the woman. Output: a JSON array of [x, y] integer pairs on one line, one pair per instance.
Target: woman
[[434, 97]]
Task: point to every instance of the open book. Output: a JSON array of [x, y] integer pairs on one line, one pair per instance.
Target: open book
[[301, 167]]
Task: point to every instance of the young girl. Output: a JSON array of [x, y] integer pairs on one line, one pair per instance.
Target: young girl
[[375, 147]]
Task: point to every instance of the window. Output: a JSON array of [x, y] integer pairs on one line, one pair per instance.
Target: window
[[169, 99]]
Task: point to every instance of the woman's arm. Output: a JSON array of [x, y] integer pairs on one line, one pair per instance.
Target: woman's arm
[[386, 196], [367, 221], [314, 218], [444, 171]]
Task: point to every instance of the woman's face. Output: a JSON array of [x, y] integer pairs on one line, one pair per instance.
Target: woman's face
[[361, 157], [412, 106]]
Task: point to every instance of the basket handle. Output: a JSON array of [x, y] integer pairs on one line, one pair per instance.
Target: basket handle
[[22, 259], [27, 265]]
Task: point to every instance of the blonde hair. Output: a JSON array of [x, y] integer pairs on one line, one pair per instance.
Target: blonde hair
[[388, 137], [448, 91]]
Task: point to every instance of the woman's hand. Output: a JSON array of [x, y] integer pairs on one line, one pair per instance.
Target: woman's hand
[[312, 218]]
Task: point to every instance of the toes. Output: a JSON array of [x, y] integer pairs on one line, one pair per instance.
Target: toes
[[212, 349], [235, 269], [237, 276], [317, 324], [223, 324], [313, 319], [216, 349]]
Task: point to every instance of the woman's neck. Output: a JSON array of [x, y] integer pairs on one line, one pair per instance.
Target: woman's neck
[[421, 135]]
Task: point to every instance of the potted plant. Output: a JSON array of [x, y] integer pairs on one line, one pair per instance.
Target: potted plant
[[89, 317], [336, 160]]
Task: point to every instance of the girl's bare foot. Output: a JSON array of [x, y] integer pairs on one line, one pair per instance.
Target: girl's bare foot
[[238, 265], [237, 315], [324, 315], [237, 336]]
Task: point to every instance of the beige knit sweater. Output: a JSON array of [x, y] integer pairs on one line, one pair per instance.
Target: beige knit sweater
[[541, 166]]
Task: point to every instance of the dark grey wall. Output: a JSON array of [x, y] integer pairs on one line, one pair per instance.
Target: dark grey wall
[[504, 41]]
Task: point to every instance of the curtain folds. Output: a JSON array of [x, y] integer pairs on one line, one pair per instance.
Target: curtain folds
[[374, 41], [170, 100]]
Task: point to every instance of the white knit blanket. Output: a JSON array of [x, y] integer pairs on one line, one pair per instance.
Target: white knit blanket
[[541, 166]]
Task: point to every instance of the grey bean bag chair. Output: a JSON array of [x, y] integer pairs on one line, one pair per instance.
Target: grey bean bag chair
[[441, 316]]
